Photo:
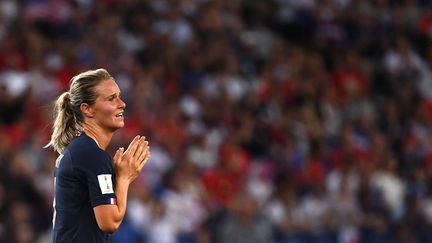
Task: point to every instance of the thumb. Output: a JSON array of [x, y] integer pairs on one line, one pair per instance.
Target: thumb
[[118, 155]]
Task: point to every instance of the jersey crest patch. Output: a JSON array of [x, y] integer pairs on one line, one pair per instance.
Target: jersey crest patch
[[105, 183]]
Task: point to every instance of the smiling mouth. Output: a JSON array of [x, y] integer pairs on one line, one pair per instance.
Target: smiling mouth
[[120, 115]]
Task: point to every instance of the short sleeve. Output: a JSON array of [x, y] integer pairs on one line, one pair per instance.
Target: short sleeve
[[96, 168]]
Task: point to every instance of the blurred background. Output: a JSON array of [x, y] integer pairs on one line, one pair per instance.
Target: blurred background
[[269, 121]]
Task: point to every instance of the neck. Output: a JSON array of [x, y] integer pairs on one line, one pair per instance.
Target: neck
[[99, 135]]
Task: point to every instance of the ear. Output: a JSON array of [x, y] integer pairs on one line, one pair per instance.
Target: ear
[[86, 110]]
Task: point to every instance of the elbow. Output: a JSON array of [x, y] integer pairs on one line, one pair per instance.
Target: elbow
[[109, 227], [107, 217]]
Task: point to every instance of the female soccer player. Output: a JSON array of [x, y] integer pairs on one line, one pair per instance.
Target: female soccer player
[[91, 188]]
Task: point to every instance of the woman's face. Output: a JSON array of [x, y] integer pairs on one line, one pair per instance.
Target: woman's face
[[109, 107]]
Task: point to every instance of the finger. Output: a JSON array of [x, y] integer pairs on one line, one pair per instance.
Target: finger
[[140, 147], [146, 158], [133, 145], [145, 149], [144, 161]]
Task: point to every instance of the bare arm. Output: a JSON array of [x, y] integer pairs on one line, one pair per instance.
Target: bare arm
[[128, 165]]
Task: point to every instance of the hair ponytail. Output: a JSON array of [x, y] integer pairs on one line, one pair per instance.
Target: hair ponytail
[[65, 126]]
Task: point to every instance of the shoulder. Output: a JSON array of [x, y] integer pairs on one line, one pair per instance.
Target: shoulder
[[84, 152], [84, 145]]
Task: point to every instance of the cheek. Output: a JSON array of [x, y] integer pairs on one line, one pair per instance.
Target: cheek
[[106, 112]]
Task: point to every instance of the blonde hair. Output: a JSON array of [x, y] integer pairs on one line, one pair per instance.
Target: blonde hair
[[67, 113]]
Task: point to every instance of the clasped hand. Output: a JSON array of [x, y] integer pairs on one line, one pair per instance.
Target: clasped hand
[[128, 164]]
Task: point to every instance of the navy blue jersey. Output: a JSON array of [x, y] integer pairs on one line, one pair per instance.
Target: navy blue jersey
[[84, 178]]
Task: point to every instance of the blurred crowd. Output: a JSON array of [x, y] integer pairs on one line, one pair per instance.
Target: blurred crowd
[[269, 121]]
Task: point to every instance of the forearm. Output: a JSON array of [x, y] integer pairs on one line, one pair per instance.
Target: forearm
[[121, 188]]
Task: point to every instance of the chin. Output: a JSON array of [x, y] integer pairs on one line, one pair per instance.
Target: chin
[[117, 127]]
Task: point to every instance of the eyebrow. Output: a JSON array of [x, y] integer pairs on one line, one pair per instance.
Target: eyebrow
[[113, 95]]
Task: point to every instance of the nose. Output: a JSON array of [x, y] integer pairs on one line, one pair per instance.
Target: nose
[[122, 104]]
